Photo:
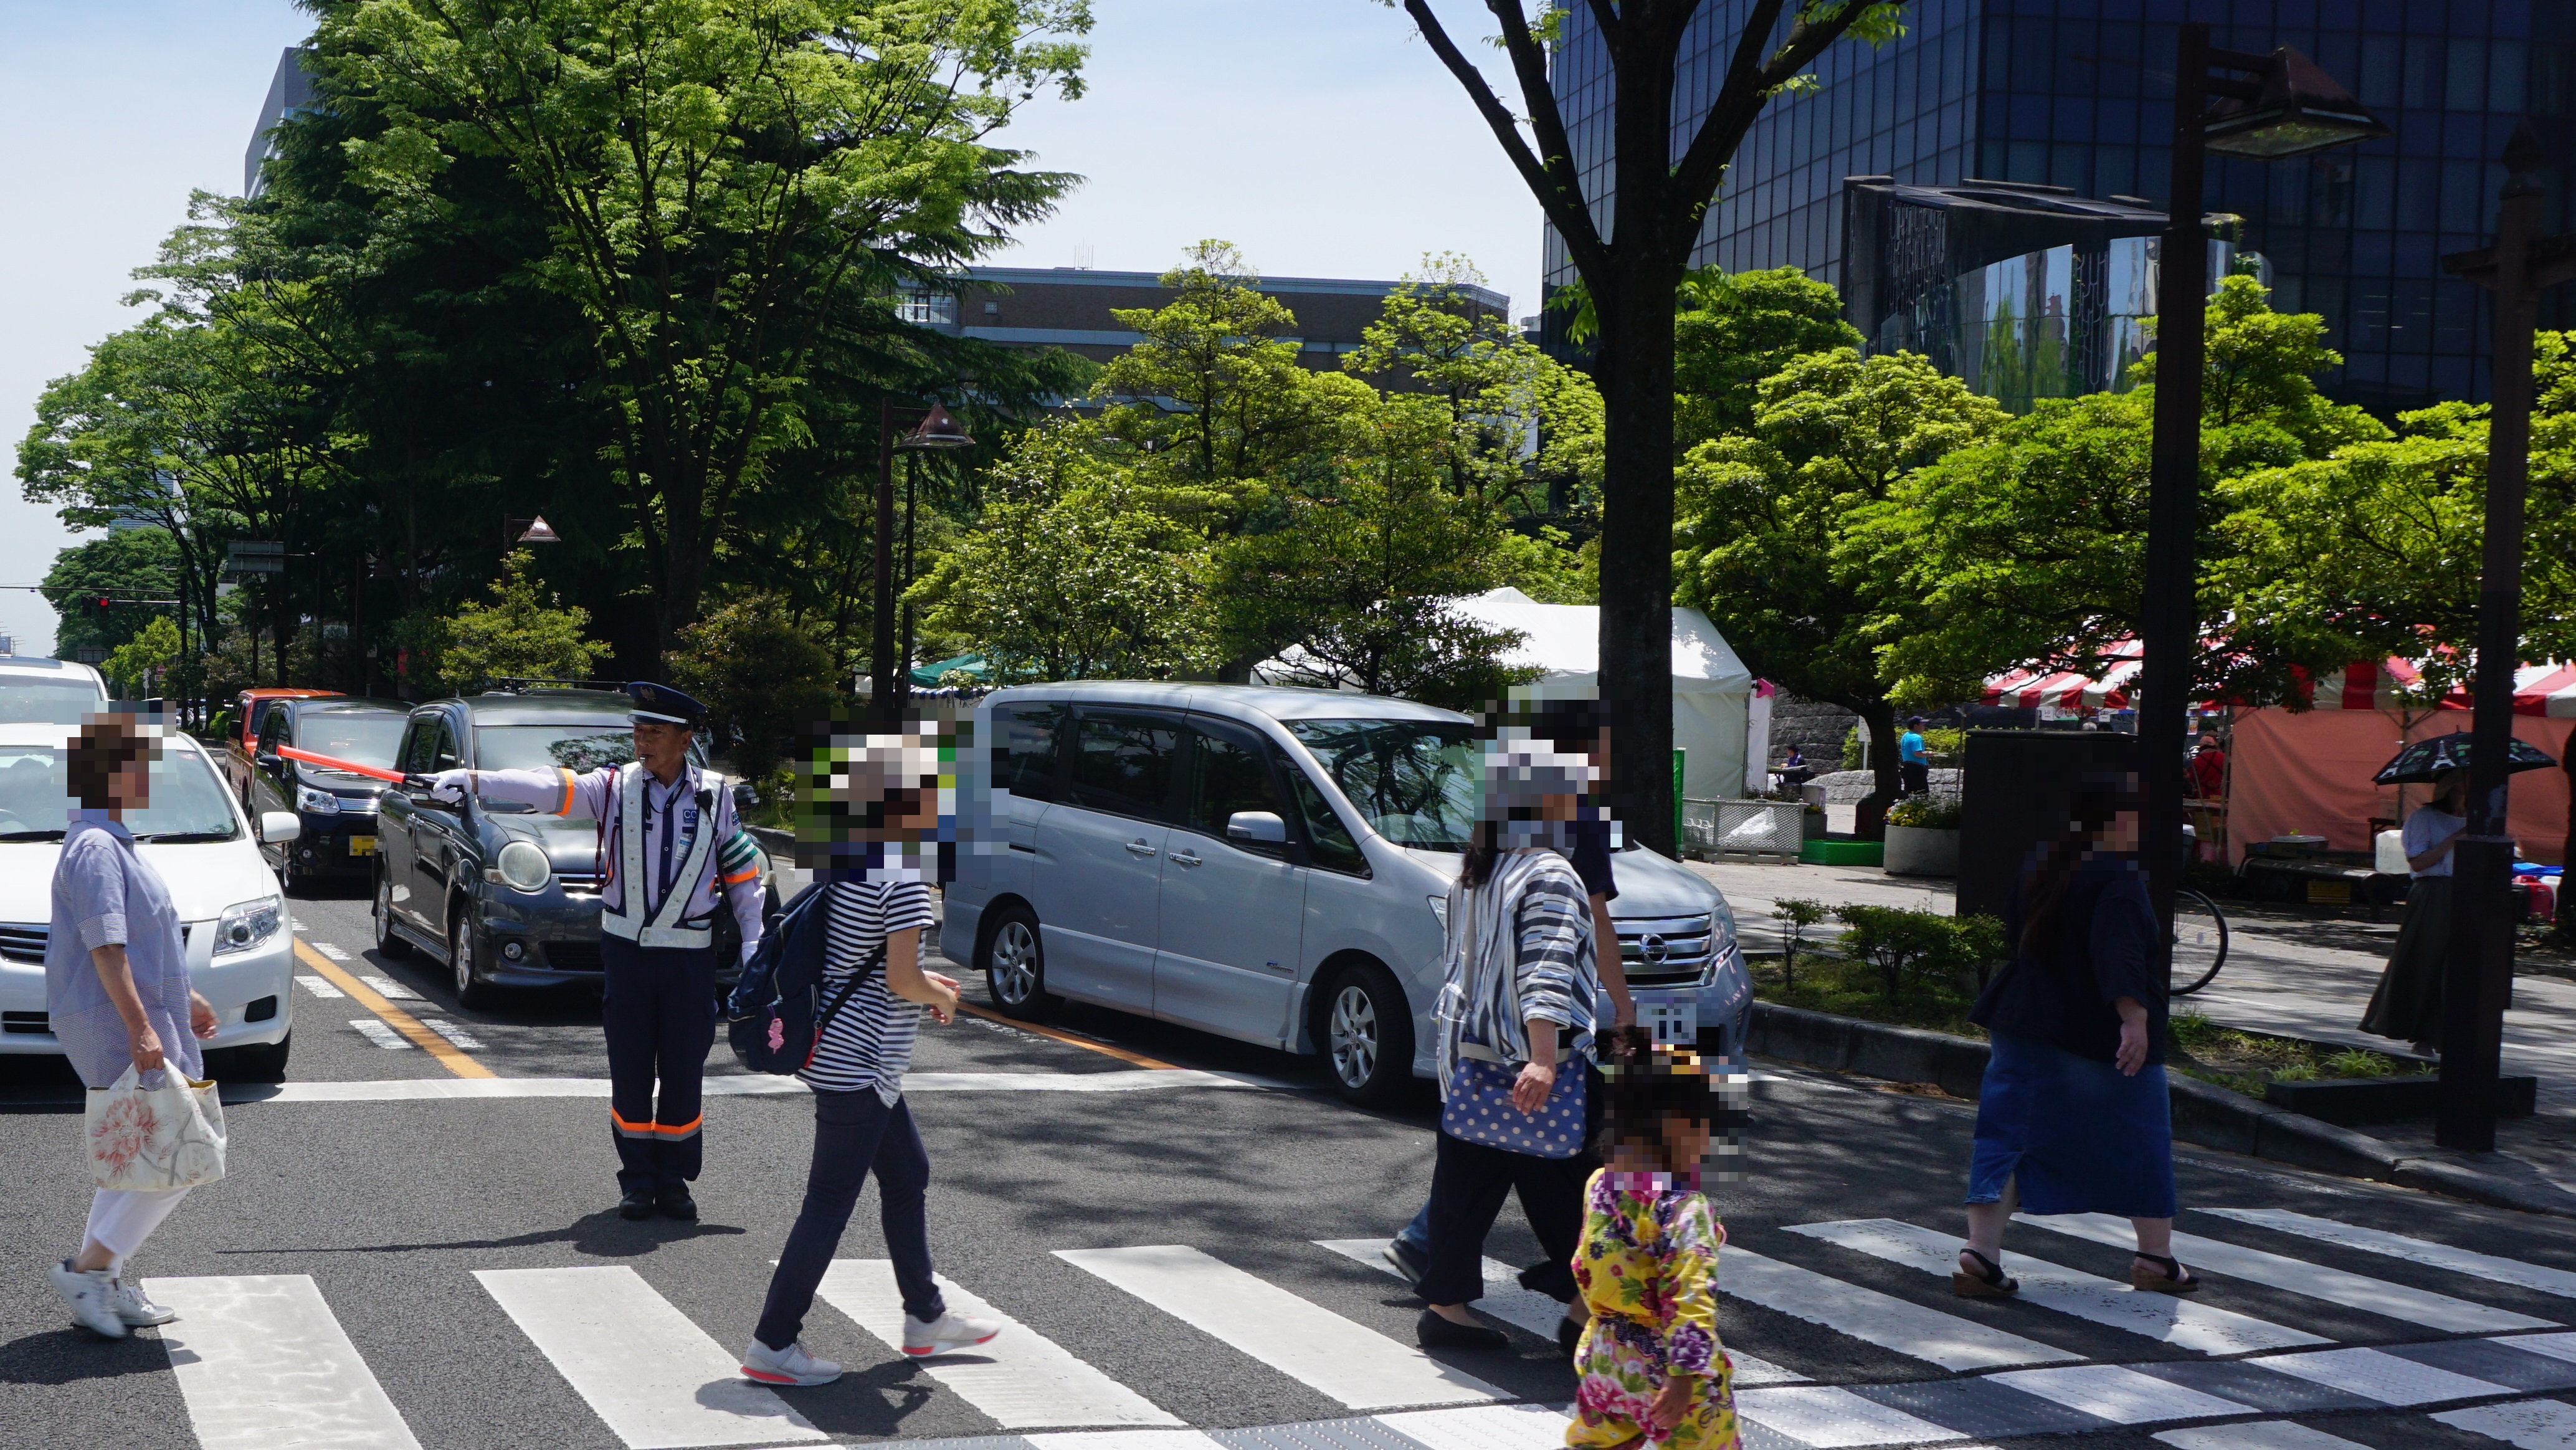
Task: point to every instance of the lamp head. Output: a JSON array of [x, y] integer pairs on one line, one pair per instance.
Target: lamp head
[[2301, 110], [938, 430]]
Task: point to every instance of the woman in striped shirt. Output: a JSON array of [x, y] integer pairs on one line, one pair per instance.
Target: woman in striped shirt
[[861, 1121]]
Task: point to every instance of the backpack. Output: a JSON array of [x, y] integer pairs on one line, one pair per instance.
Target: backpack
[[776, 1016]]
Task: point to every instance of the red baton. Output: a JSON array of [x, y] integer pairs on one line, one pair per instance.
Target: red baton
[[334, 763]]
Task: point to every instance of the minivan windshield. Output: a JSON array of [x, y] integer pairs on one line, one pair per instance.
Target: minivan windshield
[[188, 802], [1414, 780], [368, 738], [28, 700], [577, 748]]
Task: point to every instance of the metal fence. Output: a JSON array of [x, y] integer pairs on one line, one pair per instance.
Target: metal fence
[[1712, 828]]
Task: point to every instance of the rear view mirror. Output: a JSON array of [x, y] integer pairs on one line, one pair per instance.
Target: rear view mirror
[[267, 762], [276, 828], [1261, 827]]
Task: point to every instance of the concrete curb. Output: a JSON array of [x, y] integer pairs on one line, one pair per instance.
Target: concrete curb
[[2203, 1113]]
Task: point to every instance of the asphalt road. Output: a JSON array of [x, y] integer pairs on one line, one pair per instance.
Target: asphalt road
[[391, 1208]]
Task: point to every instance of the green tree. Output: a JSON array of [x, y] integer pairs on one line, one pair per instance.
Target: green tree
[[136, 666], [2029, 547], [97, 588], [1768, 544], [1730, 331], [713, 173], [762, 676], [524, 633], [1631, 247]]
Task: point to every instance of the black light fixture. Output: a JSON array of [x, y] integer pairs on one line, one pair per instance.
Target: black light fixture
[[939, 431], [2295, 109]]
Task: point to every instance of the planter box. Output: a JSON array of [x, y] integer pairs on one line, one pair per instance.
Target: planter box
[[1921, 851], [1842, 853], [2357, 1102]]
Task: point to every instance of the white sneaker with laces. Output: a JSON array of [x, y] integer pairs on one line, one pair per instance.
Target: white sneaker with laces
[[789, 1366], [91, 1295], [136, 1307], [950, 1334]]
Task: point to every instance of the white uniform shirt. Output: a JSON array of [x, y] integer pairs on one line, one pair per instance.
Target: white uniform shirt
[[672, 820]]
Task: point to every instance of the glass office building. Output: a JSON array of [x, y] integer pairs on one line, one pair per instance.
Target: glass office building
[[2078, 94]]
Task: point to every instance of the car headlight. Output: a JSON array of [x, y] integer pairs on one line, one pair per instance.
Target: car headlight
[[523, 866], [249, 925], [317, 801], [1440, 909]]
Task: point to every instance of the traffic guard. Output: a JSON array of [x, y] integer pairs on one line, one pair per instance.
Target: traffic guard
[[669, 845]]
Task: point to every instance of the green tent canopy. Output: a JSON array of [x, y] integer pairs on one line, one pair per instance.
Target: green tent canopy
[[927, 676]]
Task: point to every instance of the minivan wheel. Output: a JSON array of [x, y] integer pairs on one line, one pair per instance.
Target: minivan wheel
[[1014, 966], [1366, 1032], [392, 943], [471, 990]]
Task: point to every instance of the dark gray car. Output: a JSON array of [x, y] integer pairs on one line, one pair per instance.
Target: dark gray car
[[337, 807], [505, 895]]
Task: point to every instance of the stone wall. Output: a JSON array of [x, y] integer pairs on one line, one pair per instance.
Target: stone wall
[[1815, 727]]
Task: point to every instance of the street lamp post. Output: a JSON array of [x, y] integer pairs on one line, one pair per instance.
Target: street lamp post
[[888, 674], [2277, 106], [2478, 975]]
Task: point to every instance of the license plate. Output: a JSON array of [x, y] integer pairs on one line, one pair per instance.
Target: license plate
[[1671, 1021], [362, 845]]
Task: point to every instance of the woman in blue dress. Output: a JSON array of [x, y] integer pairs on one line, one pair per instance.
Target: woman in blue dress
[[2073, 1117]]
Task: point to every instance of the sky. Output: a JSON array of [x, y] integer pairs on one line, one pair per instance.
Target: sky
[[1319, 136]]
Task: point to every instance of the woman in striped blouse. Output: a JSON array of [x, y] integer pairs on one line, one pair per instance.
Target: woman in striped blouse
[[878, 905]]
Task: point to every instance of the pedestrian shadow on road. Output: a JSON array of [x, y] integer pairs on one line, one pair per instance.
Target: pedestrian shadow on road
[[603, 1235], [871, 1399], [69, 1356]]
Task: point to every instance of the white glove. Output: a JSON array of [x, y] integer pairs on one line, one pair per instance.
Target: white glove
[[449, 785]]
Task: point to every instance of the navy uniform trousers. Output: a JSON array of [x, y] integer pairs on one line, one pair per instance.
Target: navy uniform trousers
[[658, 1009]]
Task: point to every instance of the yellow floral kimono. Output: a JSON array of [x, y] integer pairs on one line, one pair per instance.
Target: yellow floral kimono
[[1647, 1269]]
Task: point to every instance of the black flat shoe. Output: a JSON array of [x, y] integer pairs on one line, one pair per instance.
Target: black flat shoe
[[1569, 1337], [638, 1203], [675, 1202], [1438, 1333]]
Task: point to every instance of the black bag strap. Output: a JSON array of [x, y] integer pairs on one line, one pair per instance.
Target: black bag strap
[[841, 998]]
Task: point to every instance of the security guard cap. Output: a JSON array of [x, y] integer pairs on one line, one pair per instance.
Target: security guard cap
[[662, 703]]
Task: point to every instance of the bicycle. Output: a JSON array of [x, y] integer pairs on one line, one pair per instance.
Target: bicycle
[[2199, 941]]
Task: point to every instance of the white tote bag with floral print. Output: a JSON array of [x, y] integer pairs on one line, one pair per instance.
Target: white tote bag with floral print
[[171, 1136]]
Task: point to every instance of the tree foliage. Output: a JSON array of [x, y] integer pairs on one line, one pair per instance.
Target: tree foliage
[[133, 667], [1732, 330], [523, 633], [97, 588], [761, 675]]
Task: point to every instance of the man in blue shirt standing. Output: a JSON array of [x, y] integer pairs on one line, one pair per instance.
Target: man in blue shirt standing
[[1912, 761]]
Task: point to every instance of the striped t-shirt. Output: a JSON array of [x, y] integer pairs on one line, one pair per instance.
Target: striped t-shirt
[[869, 1044]]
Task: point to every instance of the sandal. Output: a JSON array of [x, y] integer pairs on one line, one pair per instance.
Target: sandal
[[1992, 1284], [2174, 1280]]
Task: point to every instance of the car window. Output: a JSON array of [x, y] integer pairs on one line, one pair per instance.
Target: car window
[[446, 757], [1230, 774], [574, 747], [188, 801], [29, 701], [1328, 841], [420, 738], [272, 728], [1415, 781], [1123, 763], [345, 735], [1024, 756]]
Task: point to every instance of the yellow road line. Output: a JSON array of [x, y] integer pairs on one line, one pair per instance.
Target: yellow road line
[[1120, 1053], [448, 1054]]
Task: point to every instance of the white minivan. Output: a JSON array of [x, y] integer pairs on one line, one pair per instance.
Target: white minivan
[[240, 941], [1271, 864]]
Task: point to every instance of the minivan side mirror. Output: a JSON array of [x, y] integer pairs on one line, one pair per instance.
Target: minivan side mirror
[[1259, 827], [268, 761], [276, 828]]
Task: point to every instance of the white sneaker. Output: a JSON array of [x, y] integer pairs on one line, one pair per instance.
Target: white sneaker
[[136, 1307], [92, 1296], [952, 1333], [789, 1366]]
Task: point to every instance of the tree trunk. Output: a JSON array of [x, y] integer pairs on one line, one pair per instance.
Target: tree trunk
[[1635, 370], [1869, 818]]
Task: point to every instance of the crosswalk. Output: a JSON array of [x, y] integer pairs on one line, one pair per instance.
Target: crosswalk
[[262, 1361]]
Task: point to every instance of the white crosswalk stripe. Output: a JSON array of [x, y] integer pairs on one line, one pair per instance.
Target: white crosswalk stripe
[[2118, 1394], [2164, 1318], [1021, 1378], [1881, 1319], [2414, 1251], [263, 1364], [1507, 1301], [2260, 1435], [388, 988], [328, 950], [2524, 1424], [453, 1033], [2383, 1377], [1826, 1417], [318, 987], [656, 1379], [379, 1033], [1322, 1350], [1484, 1427], [2317, 1281]]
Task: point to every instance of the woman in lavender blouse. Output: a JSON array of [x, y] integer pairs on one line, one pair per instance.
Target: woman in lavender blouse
[[117, 996]]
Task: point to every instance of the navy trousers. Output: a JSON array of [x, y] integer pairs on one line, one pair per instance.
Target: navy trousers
[[853, 1133], [658, 1010]]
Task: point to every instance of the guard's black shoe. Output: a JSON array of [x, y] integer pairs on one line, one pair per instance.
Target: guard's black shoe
[[638, 1203], [675, 1202], [1438, 1333]]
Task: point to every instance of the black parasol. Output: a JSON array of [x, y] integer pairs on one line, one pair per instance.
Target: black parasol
[[2422, 761]]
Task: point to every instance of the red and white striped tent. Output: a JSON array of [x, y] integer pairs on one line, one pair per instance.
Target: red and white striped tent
[[2392, 685], [2029, 689]]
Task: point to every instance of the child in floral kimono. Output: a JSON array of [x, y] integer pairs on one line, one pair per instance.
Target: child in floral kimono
[[1653, 1372]]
